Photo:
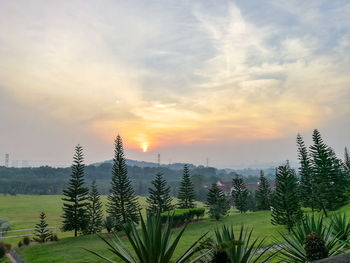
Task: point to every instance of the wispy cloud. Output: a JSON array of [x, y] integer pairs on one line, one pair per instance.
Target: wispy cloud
[[168, 73]]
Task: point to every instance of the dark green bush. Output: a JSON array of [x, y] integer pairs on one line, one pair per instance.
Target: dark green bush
[[20, 244], [197, 212], [182, 216], [109, 223], [54, 237], [4, 248], [26, 241]]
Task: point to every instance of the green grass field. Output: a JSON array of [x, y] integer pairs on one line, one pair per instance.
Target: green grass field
[[22, 211]]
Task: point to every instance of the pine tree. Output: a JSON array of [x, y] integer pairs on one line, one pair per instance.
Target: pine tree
[[240, 194], [252, 201], [186, 193], [122, 202], [217, 203], [263, 194], [285, 206], [95, 213], [307, 195], [159, 199], [75, 197], [339, 181], [347, 161], [42, 233], [326, 175]]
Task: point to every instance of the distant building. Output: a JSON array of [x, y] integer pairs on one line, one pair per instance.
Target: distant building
[[25, 163], [14, 163], [227, 187]]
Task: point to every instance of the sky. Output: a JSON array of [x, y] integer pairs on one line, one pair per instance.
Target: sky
[[231, 81]]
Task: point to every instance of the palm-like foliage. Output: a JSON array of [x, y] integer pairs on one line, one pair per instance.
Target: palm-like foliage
[[238, 248], [341, 226], [152, 243], [293, 249]]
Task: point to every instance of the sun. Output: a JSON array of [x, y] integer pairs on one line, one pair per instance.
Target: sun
[[144, 147]]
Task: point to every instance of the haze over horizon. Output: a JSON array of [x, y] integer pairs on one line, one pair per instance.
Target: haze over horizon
[[232, 81]]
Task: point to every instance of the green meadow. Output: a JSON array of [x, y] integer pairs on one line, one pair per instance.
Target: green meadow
[[23, 210]]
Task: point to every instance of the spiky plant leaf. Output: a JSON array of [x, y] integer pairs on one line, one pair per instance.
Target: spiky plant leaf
[[293, 249], [152, 243]]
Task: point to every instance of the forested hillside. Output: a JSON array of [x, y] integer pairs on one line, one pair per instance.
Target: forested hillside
[[49, 180]]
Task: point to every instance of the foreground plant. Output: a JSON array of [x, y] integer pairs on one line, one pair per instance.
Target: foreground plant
[[293, 249], [154, 242], [341, 226], [231, 248]]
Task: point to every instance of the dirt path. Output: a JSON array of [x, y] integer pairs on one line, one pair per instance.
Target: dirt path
[[11, 258]]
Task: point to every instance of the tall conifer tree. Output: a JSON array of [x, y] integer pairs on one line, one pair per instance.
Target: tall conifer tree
[[347, 161], [75, 197], [327, 176], [240, 194], [186, 193], [95, 213], [122, 202], [159, 199], [285, 206], [251, 201], [263, 194], [307, 194], [217, 203]]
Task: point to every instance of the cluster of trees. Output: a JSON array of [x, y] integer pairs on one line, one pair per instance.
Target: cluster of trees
[[323, 185], [243, 199], [324, 177], [82, 208]]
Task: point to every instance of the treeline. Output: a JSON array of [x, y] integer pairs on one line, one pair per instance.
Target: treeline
[[48, 180]]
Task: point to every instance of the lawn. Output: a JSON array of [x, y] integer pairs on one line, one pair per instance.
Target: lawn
[[23, 211]]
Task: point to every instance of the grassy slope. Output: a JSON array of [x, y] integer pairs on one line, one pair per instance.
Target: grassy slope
[[23, 211]]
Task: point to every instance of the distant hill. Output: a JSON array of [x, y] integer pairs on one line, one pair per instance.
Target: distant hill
[[50, 180], [179, 166], [143, 164]]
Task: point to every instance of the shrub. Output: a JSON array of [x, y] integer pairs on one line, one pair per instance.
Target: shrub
[[54, 237], [7, 247], [4, 248], [182, 216], [20, 244], [4, 225], [197, 212], [109, 223], [26, 241]]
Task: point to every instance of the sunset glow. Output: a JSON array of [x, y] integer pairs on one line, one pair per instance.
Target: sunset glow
[[225, 75], [144, 147]]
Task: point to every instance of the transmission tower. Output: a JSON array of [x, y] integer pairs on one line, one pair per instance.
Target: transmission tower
[[7, 160]]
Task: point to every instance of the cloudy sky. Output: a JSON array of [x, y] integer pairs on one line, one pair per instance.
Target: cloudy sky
[[232, 81]]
